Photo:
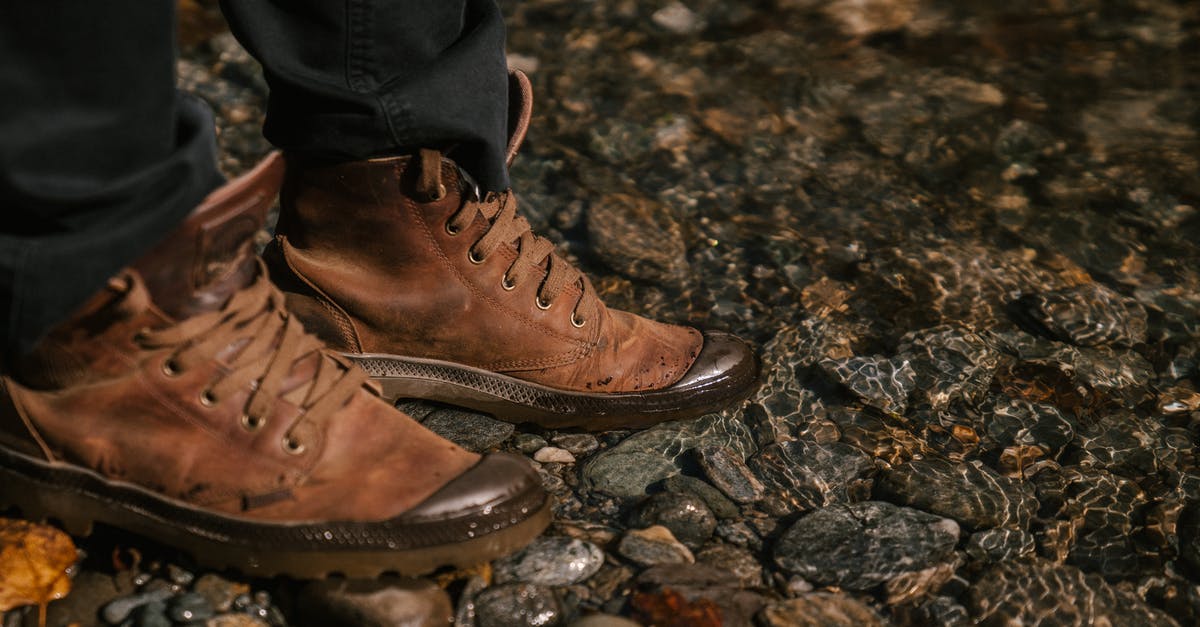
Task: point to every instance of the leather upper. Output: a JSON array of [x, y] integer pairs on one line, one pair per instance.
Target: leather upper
[[107, 392], [370, 259]]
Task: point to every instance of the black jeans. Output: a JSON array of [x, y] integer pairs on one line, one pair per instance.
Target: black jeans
[[100, 156]]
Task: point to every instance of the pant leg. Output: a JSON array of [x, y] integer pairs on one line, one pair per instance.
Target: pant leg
[[99, 155], [355, 79]]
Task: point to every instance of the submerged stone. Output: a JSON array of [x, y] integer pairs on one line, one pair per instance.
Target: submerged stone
[[861, 545], [1087, 315], [972, 494]]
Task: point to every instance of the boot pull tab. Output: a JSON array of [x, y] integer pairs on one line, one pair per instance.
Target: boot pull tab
[[430, 183]]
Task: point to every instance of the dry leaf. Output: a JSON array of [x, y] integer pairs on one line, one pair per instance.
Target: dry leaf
[[35, 562]]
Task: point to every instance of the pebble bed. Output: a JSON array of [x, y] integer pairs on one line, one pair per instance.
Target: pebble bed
[[963, 237]]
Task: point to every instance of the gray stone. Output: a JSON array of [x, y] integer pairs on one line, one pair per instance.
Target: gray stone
[[972, 494], [726, 470], [518, 605], [472, 431], [1036, 591], [653, 546], [737, 561], [528, 443], [579, 444], [997, 545], [645, 458], [1087, 315], [689, 518], [861, 545], [189, 607], [880, 382], [801, 475], [720, 504], [117, 610], [550, 561]]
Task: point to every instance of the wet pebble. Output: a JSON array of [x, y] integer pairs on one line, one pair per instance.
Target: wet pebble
[[718, 503], [1036, 591], [860, 545], [551, 561], [738, 562], [880, 382], [553, 455], [820, 609], [653, 546], [801, 475], [189, 607], [1087, 315], [518, 605], [579, 444], [470, 430], [687, 516], [726, 470], [528, 443], [971, 494], [995, 545], [117, 610]]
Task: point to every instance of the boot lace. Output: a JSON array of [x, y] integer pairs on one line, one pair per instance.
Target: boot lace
[[259, 344], [537, 257]]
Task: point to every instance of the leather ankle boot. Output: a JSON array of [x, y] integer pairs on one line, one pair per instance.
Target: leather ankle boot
[[442, 293], [184, 402]]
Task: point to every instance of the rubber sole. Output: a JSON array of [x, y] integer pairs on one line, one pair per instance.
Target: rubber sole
[[518, 401], [78, 498]]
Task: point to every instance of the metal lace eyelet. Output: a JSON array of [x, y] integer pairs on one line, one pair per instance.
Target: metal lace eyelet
[[474, 258], [441, 193], [141, 335], [292, 446], [576, 321], [207, 398], [542, 304], [170, 368], [252, 423], [507, 283], [451, 229]]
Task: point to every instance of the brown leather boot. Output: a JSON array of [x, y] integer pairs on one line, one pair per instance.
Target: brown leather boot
[[183, 402], [444, 295]]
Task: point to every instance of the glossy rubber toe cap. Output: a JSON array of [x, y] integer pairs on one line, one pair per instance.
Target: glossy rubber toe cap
[[724, 360], [501, 486]]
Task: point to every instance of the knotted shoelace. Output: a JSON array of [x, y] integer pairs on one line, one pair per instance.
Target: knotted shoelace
[[260, 344]]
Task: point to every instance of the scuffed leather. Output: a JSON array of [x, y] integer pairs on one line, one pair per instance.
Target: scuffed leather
[[92, 395], [360, 236]]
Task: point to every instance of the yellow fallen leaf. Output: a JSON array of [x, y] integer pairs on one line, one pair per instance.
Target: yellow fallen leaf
[[35, 562]]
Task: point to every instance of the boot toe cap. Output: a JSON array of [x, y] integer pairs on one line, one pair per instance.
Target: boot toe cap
[[725, 360], [501, 487]]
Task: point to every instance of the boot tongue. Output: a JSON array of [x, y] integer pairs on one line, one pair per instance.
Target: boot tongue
[[211, 255]]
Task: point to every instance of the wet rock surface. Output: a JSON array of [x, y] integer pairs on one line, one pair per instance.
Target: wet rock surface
[[862, 545], [963, 237]]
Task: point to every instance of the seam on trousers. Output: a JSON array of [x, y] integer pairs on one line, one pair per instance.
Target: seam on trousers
[[359, 53]]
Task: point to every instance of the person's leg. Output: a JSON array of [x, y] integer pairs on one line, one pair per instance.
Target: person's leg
[[181, 400], [99, 155], [370, 78], [436, 283]]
